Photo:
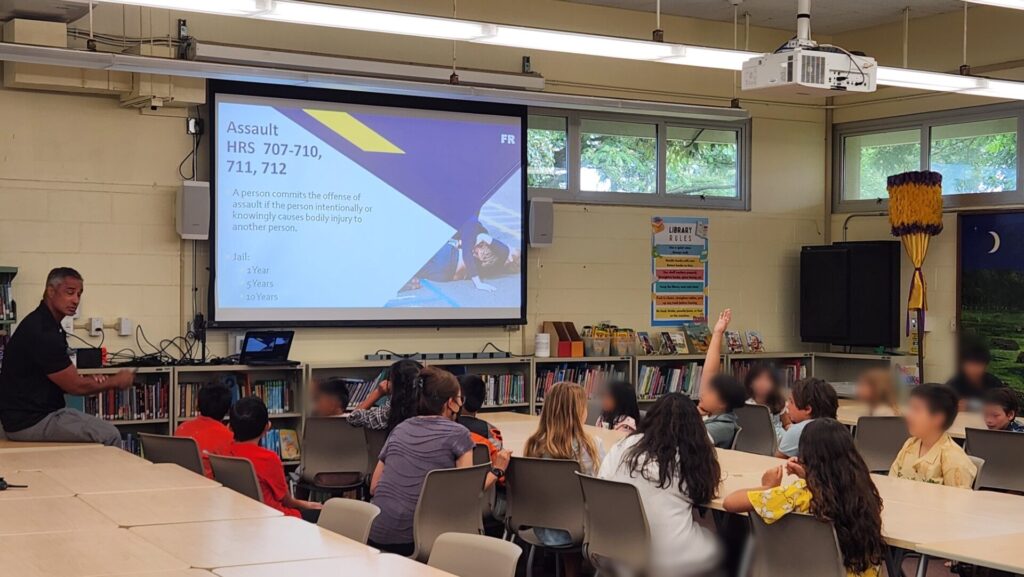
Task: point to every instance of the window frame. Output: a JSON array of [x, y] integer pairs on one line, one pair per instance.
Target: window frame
[[660, 198], [925, 122]]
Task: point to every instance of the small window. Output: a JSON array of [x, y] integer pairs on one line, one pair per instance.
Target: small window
[[547, 152], [701, 162], [869, 159], [976, 157], [618, 156]]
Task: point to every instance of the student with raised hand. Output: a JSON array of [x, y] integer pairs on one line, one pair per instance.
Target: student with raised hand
[[208, 429], [720, 394], [1001, 409], [764, 387], [930, 454], [619, 409], [400, 398], [809, 399], [877, 390], [560, 435], [673, 465], [420, 444], [833, 485]]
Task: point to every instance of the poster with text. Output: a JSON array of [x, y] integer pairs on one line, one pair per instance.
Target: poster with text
[[679, 263]]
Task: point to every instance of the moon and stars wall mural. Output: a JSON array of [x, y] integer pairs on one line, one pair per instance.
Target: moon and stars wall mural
[[992, 289]]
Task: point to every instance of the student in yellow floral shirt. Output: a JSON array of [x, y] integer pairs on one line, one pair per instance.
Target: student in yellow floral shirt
[[931, 455], [834, 485]]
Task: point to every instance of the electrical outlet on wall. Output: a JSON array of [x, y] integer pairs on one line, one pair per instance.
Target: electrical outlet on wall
[[95, 326]]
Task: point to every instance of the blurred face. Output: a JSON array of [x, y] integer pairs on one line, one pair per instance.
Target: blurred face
[[920, 421], [326, 405], [607, 402], [710, 401], [64, 298], [974, 371], [761, 387], [865, 392], [796, 414], [996, 418]]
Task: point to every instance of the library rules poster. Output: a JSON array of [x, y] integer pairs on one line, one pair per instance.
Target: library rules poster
[[679, 263]]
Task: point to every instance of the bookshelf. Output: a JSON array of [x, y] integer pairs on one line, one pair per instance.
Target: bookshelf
[[8, 310], [144, 408], [281, 387], [842, 369], [790, 366], [590, 372], [660, 374]]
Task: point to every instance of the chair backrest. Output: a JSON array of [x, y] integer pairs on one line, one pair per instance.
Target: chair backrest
[[375, 440], [615, 524], [545, 493], [1002, 452], [467, 555], [449, 503], [979, 463], [332, 445], [758, 431], [182, 451], [349, 518], [481, 455], [735, 439], [796, 540], [238, 474], [879, 440]]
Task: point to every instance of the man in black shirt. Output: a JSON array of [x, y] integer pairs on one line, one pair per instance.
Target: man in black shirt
[[973, 380], [37, 372]]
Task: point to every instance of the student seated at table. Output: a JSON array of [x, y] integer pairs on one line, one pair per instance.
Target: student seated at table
[[972, 379], [673, 464], [930, 454], [720, 394], [431, 440], [875, 389], [331, 398], [249, 422], [208, 429], [474, 391], [833, 485], [809, 399], [619, 410], [1001, 409], [399, 399], [560, 435], [764, 387]]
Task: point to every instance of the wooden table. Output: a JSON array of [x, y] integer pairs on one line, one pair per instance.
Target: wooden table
[[516, 428], [82, 554], [249, 542], [383, 565], [950, 500], [1002, 552], [39, 486], [179, 573], [137, 508], [848, 414], [21, 516], [96, 456], [131, 477], [7, 445]]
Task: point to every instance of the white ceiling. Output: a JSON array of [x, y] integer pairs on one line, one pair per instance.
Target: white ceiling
[[828, 16]]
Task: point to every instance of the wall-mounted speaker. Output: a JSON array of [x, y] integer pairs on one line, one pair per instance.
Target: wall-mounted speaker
[[192, 210], [542, 222]]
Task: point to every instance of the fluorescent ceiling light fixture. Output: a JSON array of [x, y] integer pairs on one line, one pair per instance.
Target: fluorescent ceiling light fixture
[[999, 89], [1018, 4], [374, 20], [574, 43], [712, 58], [922, 80], [226, 7]]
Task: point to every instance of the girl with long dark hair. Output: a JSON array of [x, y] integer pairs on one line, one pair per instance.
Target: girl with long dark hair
[[672, 463], [834, 485], [619, 410], [399, 404]]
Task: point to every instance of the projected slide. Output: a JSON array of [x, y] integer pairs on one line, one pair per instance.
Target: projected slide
[[348, 213]]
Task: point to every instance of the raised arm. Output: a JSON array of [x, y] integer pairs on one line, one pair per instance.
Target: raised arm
[[713, 360]]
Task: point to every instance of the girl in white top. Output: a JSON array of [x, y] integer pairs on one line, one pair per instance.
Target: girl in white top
[[673, 464]]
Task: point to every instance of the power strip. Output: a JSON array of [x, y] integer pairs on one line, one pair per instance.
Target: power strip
[[438, 356]]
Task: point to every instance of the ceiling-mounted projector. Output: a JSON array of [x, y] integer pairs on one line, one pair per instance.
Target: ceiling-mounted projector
[[803, 68]]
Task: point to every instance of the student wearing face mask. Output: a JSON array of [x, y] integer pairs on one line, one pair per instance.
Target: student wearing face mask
[[430, 440]]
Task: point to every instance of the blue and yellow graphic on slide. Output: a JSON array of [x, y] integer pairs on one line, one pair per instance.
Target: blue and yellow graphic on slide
[[354, 131]]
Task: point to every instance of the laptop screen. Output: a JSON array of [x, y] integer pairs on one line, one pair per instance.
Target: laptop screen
[[268, 345]]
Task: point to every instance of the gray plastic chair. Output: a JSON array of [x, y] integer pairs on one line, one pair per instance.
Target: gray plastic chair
[[980, 464], [482, 456], [467, 555], [879, 440], [545, 493], [349, 518], [1002, 451], [736, 439], [238, 474], [758, 431], [182, 451], [333, 456], [616, 536], [796, 541], [449, 503]]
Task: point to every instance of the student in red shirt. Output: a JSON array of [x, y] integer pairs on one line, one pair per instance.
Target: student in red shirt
[[249, 422], [208, 429]]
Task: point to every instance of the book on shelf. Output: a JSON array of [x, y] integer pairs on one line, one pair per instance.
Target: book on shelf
[[734, 342], [130, 442], [506, 389], [679, 343], [755, 342], [284, 442], [140, 402], [789, 371], [668, 344], [656, 380], [645, 342], [277, 394], [359, 389], [589, 376], [699, 336]]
